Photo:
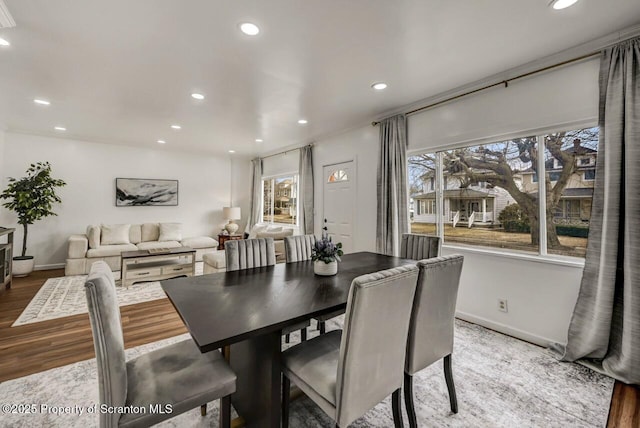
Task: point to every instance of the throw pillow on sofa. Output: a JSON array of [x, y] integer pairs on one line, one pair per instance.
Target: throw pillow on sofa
[[93, 236], [150, 232], [114, 234], [170, 232]]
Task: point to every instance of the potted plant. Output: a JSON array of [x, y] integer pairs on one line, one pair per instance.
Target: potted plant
[[326, 255], [31, 198]]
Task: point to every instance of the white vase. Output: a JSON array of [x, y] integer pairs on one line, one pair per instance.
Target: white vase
[[22, 266], [325, 269]]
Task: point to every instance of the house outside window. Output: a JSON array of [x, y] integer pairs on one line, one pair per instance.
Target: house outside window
[[280, 199], [492, 194]]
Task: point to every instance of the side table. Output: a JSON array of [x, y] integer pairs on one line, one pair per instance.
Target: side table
[[224, 238]]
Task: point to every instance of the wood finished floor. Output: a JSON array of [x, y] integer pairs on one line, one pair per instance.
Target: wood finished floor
[[44, 345]]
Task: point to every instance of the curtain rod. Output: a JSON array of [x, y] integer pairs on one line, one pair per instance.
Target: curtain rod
[[504, 82], [285, 152]]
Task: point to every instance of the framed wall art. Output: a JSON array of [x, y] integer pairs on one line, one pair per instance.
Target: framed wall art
[[146, 192]]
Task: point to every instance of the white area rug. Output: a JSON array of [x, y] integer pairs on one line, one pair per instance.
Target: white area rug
[[500, 381], [65, 296]]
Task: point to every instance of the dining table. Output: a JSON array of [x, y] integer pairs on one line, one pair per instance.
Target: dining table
[[244, 312]]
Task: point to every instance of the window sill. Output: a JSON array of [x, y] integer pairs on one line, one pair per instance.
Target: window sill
[[548, 259]]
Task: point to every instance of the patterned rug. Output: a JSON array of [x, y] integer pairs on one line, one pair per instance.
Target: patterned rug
[[500, 382], [65, 296]]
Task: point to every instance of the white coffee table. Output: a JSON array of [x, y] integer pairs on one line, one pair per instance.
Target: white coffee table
[[156, 265]]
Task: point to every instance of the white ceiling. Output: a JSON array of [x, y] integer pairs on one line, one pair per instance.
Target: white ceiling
[[121, 71]]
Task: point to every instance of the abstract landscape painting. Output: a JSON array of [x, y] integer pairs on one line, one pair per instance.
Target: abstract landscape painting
[[146, 192]]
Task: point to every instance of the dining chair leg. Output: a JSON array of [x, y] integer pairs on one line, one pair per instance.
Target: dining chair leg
[[203, 410], [225, 412], [408, 400], [322, 327], [286, 338], [286, 392], [448, 376], [303, 334], [396, 404]]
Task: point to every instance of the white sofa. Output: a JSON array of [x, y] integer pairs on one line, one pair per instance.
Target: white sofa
[[107, 242], [216, 262]]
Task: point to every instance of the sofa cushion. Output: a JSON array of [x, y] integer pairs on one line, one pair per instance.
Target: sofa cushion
[[275, 235], [93, 235], [110, 250], [152, 245], [135, 233], [170, 232], [114, 234], [257, 228], [150, 232], [199, 242]]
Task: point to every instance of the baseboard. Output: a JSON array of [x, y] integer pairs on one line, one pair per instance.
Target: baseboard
[[505, 329], [48, 267]]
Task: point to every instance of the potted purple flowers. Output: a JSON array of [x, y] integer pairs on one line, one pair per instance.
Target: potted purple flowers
[[326, 255]]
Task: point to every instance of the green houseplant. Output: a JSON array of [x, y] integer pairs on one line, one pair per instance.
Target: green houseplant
[[31, 198]]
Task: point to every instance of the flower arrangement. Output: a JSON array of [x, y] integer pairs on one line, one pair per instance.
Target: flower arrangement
[[325, 250]]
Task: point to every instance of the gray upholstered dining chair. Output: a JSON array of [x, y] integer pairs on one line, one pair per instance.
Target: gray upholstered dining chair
[[178, 375], [419, 247], [348, 372], [432, 321], [298, 248], [254, 253]]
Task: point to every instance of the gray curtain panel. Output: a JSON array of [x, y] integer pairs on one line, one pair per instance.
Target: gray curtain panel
[[256, 194], [305, 190], [393, 219], [605, 328]]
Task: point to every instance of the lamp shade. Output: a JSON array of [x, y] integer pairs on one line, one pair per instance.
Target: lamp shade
[[231, 213]]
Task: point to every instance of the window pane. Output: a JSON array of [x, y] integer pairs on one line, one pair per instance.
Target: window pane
[[570, 157], [490, 199], [339, 175], [267, 201], [422, 212], [285, 199]]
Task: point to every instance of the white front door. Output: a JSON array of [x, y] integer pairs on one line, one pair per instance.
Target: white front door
[[339, 203]]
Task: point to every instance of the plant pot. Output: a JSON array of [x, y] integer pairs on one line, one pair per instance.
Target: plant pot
[[22, 266], [325, 269]]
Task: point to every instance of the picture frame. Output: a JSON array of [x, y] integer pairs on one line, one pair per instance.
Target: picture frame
[[144, 192]]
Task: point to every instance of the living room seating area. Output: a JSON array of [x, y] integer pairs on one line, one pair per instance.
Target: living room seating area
[[107, 241]]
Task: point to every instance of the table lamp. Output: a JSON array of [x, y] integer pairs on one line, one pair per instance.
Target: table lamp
[[231, 213]]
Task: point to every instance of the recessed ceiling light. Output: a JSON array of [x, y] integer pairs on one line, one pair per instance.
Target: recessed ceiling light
[[562, 4], [41, 102], [176, 127], [232, 151], [161, 142], [197, 96], [59, 128], [303, 121], [249, 29], [259, 140], [3, 42], [379, 86]]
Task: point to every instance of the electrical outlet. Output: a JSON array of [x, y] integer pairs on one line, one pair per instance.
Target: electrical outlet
[[502, 305]]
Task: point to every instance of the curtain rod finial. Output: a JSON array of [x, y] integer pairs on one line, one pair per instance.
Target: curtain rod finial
[[374, 123]]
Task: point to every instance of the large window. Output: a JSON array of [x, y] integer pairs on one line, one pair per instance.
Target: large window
[[488, 195], [280, 199]]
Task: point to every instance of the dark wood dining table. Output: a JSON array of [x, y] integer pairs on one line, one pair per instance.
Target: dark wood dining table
[[247, 310]]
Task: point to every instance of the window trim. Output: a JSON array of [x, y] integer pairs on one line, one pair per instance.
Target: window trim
[[295, 174]]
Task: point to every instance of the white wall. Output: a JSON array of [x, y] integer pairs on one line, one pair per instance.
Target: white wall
[[90, 170]]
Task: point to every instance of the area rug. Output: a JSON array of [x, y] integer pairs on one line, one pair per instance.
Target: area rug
[[500, 381], [65, 296]]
